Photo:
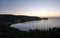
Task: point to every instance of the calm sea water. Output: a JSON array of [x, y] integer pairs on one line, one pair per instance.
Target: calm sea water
[[40, 24]]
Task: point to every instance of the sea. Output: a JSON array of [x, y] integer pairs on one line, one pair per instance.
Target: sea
[[39, 24]]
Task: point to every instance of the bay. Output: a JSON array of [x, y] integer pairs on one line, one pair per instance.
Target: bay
[[40, 24]]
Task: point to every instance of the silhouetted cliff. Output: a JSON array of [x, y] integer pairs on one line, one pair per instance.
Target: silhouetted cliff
[[8, 19], [5, 17]]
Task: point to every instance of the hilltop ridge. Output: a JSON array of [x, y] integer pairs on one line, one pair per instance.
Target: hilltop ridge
[[8, 19]]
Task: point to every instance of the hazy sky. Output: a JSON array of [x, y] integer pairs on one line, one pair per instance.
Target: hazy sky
[[31, 7]]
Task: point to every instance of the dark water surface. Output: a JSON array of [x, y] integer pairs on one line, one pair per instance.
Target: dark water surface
[[40, 24]]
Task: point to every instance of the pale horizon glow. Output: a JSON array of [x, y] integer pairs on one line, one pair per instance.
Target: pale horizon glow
[[42, 8]]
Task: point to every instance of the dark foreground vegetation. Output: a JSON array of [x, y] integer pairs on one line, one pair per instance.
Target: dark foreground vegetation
[[11, 32]]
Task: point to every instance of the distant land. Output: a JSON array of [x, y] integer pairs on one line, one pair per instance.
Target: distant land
[[8, 19]]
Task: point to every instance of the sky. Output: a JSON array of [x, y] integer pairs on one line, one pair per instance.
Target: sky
[[42, 8]]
